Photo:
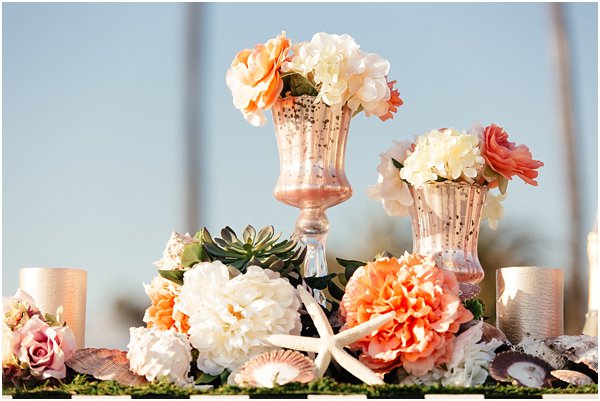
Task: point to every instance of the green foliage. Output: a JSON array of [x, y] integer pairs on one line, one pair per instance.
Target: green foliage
[[85, 385], [476, 307], [175, 276], [295, 84]]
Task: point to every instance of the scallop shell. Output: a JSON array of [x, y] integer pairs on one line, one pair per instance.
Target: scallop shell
[[520, 369], [276, 368], [572, 377], [468, 291], [489, 332], [105, 364]]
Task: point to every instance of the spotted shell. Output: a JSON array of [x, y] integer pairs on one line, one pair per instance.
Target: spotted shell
[[520, 369], [105, 364], [468, 291], [276, 368], [572, 377]]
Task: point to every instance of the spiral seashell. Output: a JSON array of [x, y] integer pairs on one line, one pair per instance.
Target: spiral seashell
[[276, 368], [105, 364], [572, 377]]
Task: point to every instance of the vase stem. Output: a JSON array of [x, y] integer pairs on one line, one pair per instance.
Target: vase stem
[[312, 228]]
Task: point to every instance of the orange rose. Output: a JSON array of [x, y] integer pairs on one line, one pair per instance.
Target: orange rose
[[428, 312], [254, 78], [162, 314], [506, 158], [393, 103]]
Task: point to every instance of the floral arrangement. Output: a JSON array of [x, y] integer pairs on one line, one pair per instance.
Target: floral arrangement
[[35, 346], [207, 318], [481, 156], [332, 68]]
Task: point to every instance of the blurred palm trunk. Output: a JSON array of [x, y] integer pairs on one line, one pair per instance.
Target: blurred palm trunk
[[576, 290], [192, 100]]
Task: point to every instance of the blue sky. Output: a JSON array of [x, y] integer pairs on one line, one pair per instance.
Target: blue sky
[[92, 130]]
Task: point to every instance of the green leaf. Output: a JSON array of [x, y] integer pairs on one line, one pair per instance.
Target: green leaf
[[335, 291], [192, 254], [358, 110], [298, 85], [397, 164], [476, 307], [215, 251], [263, 236], [350, 266], [249, 234], [224, 376], [502, 184], [319, 283], [342, 279], [204, 378], [175, 276]]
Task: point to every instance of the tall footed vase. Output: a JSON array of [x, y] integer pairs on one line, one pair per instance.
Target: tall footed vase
[[311, 139], [445, 221]]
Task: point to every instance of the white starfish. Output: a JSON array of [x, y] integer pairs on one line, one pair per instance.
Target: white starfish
[[331, 345]]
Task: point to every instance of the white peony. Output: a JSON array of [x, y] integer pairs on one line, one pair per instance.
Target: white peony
[[493, 210], [446, 153], [229, 317], [171, 259], [157, 353], [468, 365], [390, 189]]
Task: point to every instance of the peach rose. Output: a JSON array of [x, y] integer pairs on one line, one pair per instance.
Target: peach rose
[[428, 312], [506, 158], [393, 103], [162, 314], [254, 78]]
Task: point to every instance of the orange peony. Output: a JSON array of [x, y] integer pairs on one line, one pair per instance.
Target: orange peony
[[254, 78], [162, 313], [428, 312], [506, 158], [393, 103]]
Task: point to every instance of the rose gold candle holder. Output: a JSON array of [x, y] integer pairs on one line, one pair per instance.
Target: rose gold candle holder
[[529, 300], [53, 287]]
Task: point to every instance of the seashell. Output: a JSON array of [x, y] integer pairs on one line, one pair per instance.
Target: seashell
[[572, 377], [105, 364], [490, 332], [276, 368], [520, 369], [538, 348], [468, 291], [578, 349]]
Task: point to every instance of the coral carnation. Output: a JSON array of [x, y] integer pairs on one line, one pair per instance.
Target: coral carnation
[[163, 314], [506, 158], [393, 103], [428, 312]]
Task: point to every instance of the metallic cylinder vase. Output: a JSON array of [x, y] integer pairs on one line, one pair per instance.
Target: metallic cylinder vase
[[445, 221], [53, 287], [311, 140], [529, 300]]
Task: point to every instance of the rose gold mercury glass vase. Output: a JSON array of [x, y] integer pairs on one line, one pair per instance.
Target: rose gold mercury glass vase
[[311, 139], [445, 221]]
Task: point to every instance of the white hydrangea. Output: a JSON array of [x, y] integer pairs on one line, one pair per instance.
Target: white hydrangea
[[445, 153], [469, 362], [342, 73], [156, 353], [329, 60], [229, 317], [390, 189], [368, 88], [493, 210], [171, 259]]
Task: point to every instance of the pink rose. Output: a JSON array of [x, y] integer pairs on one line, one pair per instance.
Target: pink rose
[[44, 349], [506, 158]]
